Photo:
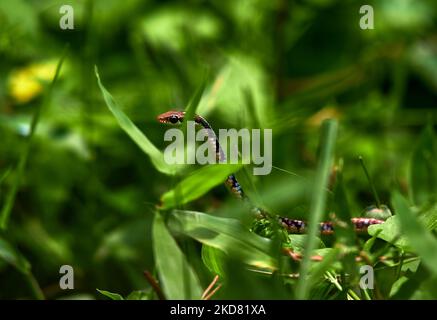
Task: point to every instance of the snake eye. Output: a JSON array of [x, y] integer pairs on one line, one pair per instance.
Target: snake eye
[[173, 119]]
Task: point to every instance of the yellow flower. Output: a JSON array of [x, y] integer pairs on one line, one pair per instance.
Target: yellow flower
[[26, 83]]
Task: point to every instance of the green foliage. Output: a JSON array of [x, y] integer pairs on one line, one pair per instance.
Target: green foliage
[[110, 295], [421, 240], [74, 190], [195, 185], [228, 235], [178, 278], [136, 135]]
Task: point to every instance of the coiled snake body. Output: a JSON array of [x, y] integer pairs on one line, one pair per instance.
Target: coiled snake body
[[291, 225]]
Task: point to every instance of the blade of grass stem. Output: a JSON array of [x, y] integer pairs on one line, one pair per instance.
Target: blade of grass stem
[[329, 133]]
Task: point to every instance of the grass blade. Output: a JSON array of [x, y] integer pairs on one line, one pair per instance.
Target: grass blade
[[135, 134], [329, 133], [10, 198], [179, 282]]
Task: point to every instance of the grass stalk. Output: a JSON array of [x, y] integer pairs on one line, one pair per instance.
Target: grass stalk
[[329, 134]]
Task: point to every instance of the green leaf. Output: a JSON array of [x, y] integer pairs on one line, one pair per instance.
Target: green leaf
[[136, 135], [390, 230], [423, 242], [9, 254], [226, 234], [179, 282], [110, 295], [197, 184], [329, 134], [213, 259]]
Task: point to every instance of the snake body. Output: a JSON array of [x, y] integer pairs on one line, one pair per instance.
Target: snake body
[[291, 225]]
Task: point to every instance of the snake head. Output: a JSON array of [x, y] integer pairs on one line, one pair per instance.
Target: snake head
[[171, 117]]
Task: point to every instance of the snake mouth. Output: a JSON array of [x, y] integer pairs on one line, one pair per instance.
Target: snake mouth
[[161, 119]]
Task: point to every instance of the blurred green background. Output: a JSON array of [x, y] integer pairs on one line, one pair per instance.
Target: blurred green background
[[87, 194]]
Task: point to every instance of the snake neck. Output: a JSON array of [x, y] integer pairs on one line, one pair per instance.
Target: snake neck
[[231, 180]]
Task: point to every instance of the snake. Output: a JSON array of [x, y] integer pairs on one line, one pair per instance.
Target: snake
[[293, 226]]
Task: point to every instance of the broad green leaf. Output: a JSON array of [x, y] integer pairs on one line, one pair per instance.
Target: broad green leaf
[[9, 254], [136, 135], [213, 259], [423, 242], [318, 201], [390, 230], [178, 280], [423, 168], [110, 295], [197, 184], [226, 234]]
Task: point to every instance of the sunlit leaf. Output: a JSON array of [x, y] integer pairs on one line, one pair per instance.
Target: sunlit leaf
[[197, 184], [110, 295], [135, 134], [178, 280], [213, 259], [228, 235]]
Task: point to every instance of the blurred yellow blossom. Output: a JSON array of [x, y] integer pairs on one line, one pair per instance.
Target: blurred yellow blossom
[[26, 83]]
